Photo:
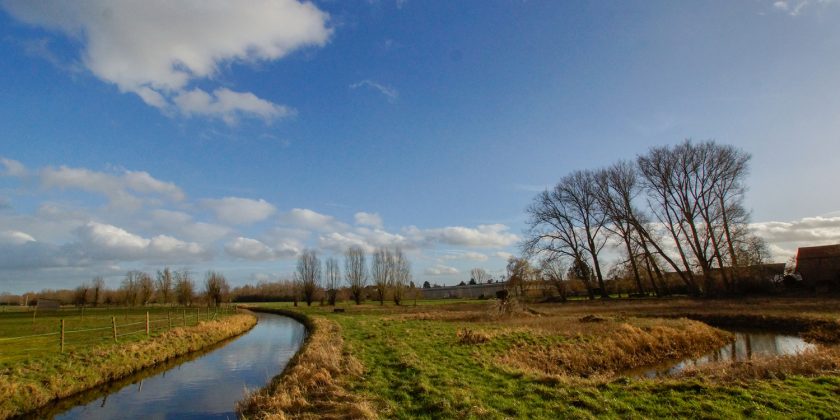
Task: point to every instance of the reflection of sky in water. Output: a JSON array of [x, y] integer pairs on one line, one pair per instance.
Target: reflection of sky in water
[[207, 387], [746, 346]]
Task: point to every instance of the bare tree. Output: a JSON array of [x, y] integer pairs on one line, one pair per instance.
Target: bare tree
[[519, 275], [355, 272], [308, 275], [98, 289], [332, 276], [479, 275], [380, 272], [216, 288], [552, 232], [554, 271], [184, 287], [81, 294], [146, 288], [130, 287], [164, 285], [400, 275]]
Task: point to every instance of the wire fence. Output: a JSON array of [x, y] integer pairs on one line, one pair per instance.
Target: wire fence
[[59, 330]]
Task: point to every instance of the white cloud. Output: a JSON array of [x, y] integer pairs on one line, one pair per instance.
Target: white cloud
[[309, 219], [796, 7], [469, 255], [252, 249], [440, 270], [503, 255], [368, 219], [106, 241], [115, 186], [15, 237], [157, 49], [240, 211], [495, 235], [390, 93], [13, 167], [807, 231]]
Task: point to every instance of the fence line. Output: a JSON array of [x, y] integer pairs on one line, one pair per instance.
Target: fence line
[[151, 325]]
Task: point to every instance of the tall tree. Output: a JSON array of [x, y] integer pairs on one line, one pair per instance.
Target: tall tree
[[164, 285], [380, 272], [400, 275], [216, 288], [479, 275], [146, 288], [355, 272], [184, 287], [308, 275], [332, 276], [98, 290]]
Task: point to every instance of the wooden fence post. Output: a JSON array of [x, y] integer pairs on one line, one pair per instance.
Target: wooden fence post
[[169, 317], [114, 325], [147, 323], [185, 317], [62, 335]]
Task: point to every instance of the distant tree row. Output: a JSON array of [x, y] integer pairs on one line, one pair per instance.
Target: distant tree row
[[389, 272], [676, 210]]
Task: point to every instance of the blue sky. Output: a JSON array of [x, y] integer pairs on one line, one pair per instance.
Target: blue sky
[[232, 136]]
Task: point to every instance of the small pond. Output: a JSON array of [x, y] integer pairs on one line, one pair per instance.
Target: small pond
[[204, 386], [747, 346]]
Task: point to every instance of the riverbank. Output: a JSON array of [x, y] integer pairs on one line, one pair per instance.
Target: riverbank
[[33, 383], [314, 383], [567, 360]]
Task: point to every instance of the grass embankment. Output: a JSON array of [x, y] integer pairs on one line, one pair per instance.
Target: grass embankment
[[462, 360], [314, 383], [34, 382]]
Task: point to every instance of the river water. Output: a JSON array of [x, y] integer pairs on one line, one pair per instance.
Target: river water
[[201, 387], [747, 346]]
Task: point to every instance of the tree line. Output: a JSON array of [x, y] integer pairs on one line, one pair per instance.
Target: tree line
[[675, 211]]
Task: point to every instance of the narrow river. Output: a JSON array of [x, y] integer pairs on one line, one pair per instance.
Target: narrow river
[[203, 386]]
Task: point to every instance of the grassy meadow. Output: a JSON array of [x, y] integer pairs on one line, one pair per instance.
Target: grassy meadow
[[465, 359]]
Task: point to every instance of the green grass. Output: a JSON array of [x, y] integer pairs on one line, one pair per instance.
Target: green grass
[[130, 327], [418, 369]]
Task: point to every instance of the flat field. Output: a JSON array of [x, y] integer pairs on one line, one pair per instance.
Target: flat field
[[444, 359], [25, 334]]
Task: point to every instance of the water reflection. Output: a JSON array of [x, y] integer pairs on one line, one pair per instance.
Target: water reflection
[[747, 346], [206, 387]]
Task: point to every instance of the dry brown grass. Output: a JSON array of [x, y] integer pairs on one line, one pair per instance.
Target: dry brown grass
[[314, 384], [32, 384], [468, 336], [821, 361], [619, 346]]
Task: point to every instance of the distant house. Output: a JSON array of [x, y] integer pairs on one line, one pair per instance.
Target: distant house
[[464, 292], [819, 266]]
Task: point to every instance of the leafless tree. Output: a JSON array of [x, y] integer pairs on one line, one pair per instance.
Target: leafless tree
[[98, 289], [479, 275], [146, 288], [184, 287], [332, 276], [308, 275], [81, 294], [355, 272], [164, 285], [216, 288], [130, 287], [519, 275], [400, 275], [553, 232], [554, 271], [380, 272]]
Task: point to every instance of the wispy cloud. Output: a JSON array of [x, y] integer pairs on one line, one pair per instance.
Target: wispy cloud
[[390, 93]]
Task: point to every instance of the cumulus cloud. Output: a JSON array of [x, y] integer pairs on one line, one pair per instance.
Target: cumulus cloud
[[156, 49], [796, 7], [440, 270], [106, 241], [495, 235], [15, 237], [784, 238], [309, 219], [389, 92], [368, 219], [240, 211], [252, 249], [118, 187], [12, 167]]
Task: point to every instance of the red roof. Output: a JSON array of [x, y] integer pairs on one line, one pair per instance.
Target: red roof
[[825, 251]]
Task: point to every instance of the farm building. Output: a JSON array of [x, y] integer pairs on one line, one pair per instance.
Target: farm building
[[819, 266]]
